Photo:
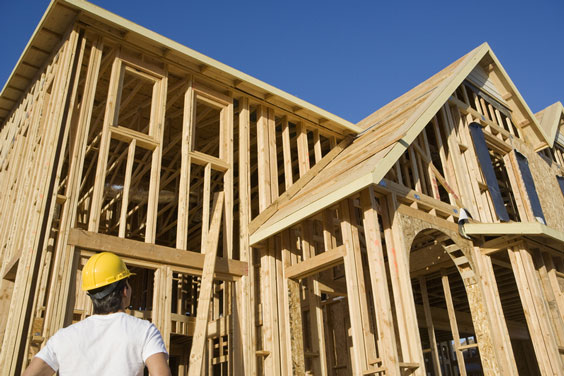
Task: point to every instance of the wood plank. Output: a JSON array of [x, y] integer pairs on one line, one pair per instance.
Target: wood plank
[[126, 188], [127, 135], [398, 259], [245, 317], [263, 158], [430, 327], [287, 153], [63, 255], [359, 356], [291, 313], [316, 264], [437, 174], [206, 196], [453, 324], [187, 142], [36, 218], [543, 354], [226, 269], [112, 108], [206, 284], [315, 311], [303, 149], [156, 130], [202, 159], [387, 348]]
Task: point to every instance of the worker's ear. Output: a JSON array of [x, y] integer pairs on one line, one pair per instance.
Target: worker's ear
[[125, 288]]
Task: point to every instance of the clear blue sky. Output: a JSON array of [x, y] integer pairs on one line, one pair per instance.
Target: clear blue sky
[[349, 58]]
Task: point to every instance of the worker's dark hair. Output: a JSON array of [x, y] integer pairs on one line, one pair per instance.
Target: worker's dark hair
[[111, 302]]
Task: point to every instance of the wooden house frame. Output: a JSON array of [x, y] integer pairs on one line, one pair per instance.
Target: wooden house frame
[[269, 236]]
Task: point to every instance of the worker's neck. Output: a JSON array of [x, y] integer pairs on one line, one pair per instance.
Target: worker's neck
[[110, 313]]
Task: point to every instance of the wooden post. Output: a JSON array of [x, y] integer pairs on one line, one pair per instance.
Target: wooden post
[[188, 124], [112, 108], [398, 258], [354, 292], [313, 298], [536, 314], [246, 318], [386, 335], [293, 316], [156, 130]]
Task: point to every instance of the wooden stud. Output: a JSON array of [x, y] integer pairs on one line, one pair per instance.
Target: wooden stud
[[453, 324], [430, 327], [386, 335]]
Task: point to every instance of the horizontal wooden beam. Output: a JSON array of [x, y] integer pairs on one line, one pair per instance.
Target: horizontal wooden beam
[[498, 244], [316, 264], [386, 186], [215, 327], [517, 228], [419, 214], [203, 159], [127, 135], [154, 253]]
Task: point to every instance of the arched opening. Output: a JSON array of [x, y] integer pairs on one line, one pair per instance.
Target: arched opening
[[444, 317]]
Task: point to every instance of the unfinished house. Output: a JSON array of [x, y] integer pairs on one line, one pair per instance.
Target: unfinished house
[[271, 237]]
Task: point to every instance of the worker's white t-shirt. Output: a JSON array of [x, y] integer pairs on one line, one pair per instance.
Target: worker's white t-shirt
[[114, 344]]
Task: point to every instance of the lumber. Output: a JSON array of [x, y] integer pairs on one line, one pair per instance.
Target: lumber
[[210, 251], [340, 249], [430, 326], [154, 253], [316, 264], [387, 348]]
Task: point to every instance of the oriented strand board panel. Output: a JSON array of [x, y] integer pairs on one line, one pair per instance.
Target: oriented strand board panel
[[547, 187]]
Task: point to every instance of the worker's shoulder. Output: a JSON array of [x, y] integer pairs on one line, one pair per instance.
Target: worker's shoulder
[[134, 320], [134, 324]]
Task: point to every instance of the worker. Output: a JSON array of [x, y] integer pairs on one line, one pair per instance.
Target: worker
[[110, 342]]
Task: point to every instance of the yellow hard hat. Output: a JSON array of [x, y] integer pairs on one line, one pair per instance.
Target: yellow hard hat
[[103, 269]]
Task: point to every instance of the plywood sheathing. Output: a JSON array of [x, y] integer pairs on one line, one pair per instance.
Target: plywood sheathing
[[551, 119]]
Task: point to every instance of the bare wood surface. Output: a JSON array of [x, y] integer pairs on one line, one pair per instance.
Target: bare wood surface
[[153, 252], [206, 284]]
